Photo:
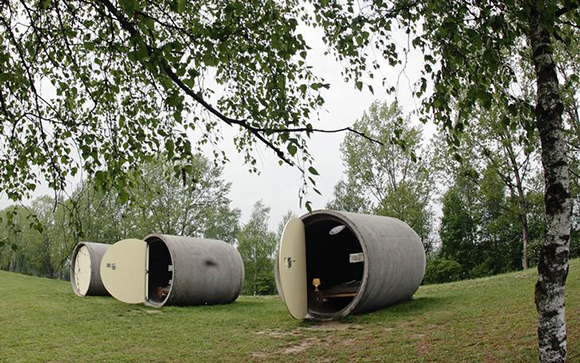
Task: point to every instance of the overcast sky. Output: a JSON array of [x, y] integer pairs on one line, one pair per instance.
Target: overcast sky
[[277, 186]]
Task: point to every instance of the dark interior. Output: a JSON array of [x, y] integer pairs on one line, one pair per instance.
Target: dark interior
[[328, 259], [160, 271]]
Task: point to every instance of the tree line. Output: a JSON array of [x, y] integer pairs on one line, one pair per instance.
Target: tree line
[[38, 239], [492, 218]]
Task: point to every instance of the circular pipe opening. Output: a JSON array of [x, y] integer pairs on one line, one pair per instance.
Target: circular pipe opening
[[335, 265], [160, 272]]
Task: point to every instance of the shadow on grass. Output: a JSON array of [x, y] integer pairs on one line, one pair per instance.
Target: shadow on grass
[[258, 308], [243, 307], [413, 307]]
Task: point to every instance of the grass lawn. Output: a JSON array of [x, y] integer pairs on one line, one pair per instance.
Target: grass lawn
[[490, 319]]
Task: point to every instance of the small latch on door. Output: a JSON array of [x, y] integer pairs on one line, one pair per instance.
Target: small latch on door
[[289, 261]]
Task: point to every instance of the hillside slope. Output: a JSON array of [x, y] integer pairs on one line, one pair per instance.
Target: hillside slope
[[490, 319]]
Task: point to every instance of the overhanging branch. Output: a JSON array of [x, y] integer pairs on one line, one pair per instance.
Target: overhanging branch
[[256, 131], [567, 9]]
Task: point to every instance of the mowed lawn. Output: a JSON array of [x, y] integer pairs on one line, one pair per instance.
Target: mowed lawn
[[490, 319]]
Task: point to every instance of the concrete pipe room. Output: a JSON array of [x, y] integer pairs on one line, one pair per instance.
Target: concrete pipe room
[[331, 264], [173, 270], [85, 277]]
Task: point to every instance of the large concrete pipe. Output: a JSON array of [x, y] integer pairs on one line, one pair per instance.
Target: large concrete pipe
[[85, 277], [172, 270], [331, 264]]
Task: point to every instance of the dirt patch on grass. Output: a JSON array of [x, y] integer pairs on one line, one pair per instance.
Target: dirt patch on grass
[[278, 334], [329, 326], [423, 348], [299, 348], [348, 342], [260, 355], [333, 326], [302, 339]]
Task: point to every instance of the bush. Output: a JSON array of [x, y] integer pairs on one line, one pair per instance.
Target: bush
[[442, 270]]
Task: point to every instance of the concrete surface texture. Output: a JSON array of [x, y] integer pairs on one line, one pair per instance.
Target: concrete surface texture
[[192, 271]]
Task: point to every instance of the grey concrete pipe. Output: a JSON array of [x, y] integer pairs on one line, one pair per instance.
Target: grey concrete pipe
[[357, 263], [85, 278], [195, 271]]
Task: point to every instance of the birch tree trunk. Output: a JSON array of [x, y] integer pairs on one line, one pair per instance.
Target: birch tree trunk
[[553, 263]]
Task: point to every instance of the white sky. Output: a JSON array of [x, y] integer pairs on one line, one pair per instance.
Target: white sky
[[277, 186]]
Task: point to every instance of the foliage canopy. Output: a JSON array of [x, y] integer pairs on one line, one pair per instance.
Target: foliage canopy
[[103, 86]]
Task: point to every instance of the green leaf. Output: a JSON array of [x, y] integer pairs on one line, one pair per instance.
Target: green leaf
[[180, 6], [485, 98], [313, 171], [140, 53], [100, 177], [149, 23], [123, 196], [169, 147], [209, 59]]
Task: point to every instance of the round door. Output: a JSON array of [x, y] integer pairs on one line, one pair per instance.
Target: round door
[[82, 270], [124, 270], [292, 268]]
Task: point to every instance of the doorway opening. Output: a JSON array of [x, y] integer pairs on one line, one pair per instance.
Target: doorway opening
[[334, 265], [160, 271]]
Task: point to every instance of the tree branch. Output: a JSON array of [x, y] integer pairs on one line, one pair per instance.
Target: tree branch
[[566, 9], [332, 131], [257, 132], [169, 71], [3, 106]]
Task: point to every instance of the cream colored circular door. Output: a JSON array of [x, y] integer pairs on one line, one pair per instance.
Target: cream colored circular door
[[82, 270], [292, 268], [124, 270]]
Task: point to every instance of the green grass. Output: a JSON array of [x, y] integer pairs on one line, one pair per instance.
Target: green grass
[[491, 319]]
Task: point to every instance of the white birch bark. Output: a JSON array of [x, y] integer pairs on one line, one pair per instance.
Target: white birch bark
[[553, 263]]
